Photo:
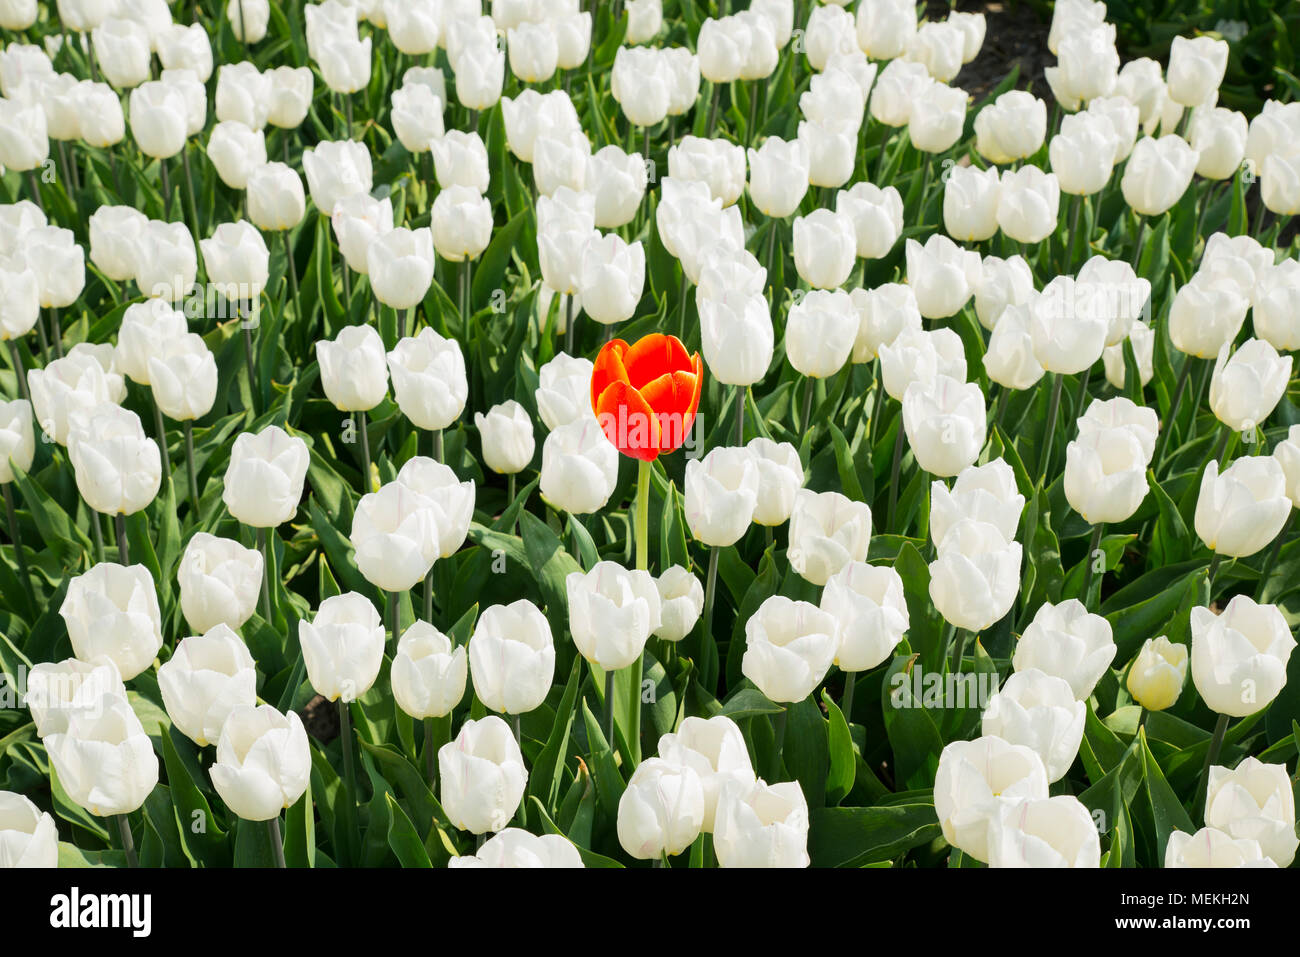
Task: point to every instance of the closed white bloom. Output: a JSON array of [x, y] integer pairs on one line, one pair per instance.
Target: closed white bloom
[[118, 469], [507, 434], [28, 836], [883, 315], [1272, 130], [618, 181], [235, 151], [207, 677], [943, 275], [345, 63], [870, 613], [460, 159], [644, 18], [395, 534], [1124, 116], [451, 500], [166, 261], [1287, 453], [641, 85], [18, 15], [1276, 298], [429, 380], [1069, 324], [884, 28], [17, 438], [20, 307], [941, 46], [1219, 136], [220, 581], [482, 776], [122, 49], [1071, 16], [1121, 413], [515, 847], [1247, 384], [1155, 679], [68, 389], [113, 234], [343, 646], [1049, 832], [736, 336], [258, 14], [834, 101], [778, 176], [243, 94], [1113, 290], [761, 825], [1003, 283], [937, 117], [263, 762], [717, 163], [1011, 128], [461, 223], [1067, 641], [1105, 475], [1239, 657], [1210, 847], [661, 811], [721, 493], [877, 216], [1028, 204], [976, 781], [512, 657], [358, 221], [417, 117], [976, 576], [681, 600], [1143, 340], [291, 94], [56, 692], [780, 477], [831, 152], [612, 278], [1254, 801], [183, 374], [1243, 509], [1038, 711], [59, 263], [1196, 68], [1205, 315], [104, 760], [185, 47], [428, 673], [1010, 360], [564, 390], [899, 85], [534, 51], [1279, 184], [827, 531], [1088, 63], [194, 95], [1083, 153], [612, 611], [825, 248], [946, 424], [789, 647], [986, 493], [335, 170], [264, 480], [715, 749], [1157, 174], [579, 466], [820, 333], [561, 158], [970, 203], [400, 265], [353, 368], [276, 200]]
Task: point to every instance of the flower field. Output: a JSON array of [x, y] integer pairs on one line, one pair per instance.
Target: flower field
[[644, 433]]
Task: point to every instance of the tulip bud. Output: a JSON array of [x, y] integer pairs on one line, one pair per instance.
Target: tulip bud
[[235, 151], [1210, 847], [104, 760], [395, 535], [67, 389], [612, 278], [482, 775], [721, 493], [644, 19], [220, 581], [166, 261], [417, 118], [20, 301], [946, 424], [1011, 128], [343, 646], [825, 246], [451, 500], [28, 836], [1104, 415], [976, 781], [778, 176], [515, 847], [780, 477], [263, 762], [1069, 325], [353, 369], [1196, 68], [877, 216], [821, 330], [275, 198], [290, 96], [1038, 711], [1050, 832], [661, 812], [1003, 283], [717, 163], [943, 275], [564, 390], [885, 28], [512, 657], [263, 482], [1239, 657], [1219, 136], [827, 531], [207, 677], [985, 493], [58, 263], [19, 15], [1010, 359], [336, 170], [429, 381], [1287, 453], [612, 612], [1242, 510], [1276, 298], [715, 750], [1067, 641], [884, 313], [870, 613], [975, 579], [1205, 315], [183, 374], [1255, 802], [244, 94], [899, 85], [736, 336], [479, 69], [1028, 204], [681, 600], [122, 49], [970, 203], [579, 467], [117, 468], [1123, 115], [1247, 384], [428, 673], [17, 438], [937, 117], [940, 46], [1279, 185], [1143, 340], [1157, 174], [534, 51], [1155, 679], [253, 29], [1083, 154], [618, 182], [1105, 475], [507, 434], [831, 152]]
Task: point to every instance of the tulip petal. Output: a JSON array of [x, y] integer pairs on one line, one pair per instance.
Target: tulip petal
[[607, 369], [654, 355], [628, 421]]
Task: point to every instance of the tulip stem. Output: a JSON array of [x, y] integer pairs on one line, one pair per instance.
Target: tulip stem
[[740, 414], [609, 708], [98, 535], [1268, 562], [770, 258], [568, 324], [166, 190], [428, 597], [713, 110], [395, 623], [1212, 755], [957, 638], [365, 453], [1082, 395], [349, 768], [642, 533], [438, 447], [846, 702], [1214, 568], [710, 594], [1141, 242], [246, 325], [56, 333], [264, 544], [1049, 431], [189, 462], [123, 546], [430, 752], [161, 426], [277, 842], [128, 843], [19, 374], [291, 268], [519, 734], [894, 472], [16, 537], [807, 404], [1173, 410], [1093, 547], [189, 188], [778, 729], [35, 186]]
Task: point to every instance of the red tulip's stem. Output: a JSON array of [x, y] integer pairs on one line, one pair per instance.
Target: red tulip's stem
[[642, 516]]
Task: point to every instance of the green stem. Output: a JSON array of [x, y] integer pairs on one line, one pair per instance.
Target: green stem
[[609, 707], [128, 843], [430, 752], [778, 729], [428, 597], [365, 454], [1050, 430], [894, 472], [1214, 568], [291, 268], [1268, 562], [277, 842], [1179, 389], [642, 534], [123, 546], [16, 537], [1093, 547], [56, 333], [846, 703], [1212, 755], [161, 428], [349, 768], [264, 544], [568, 324], [189, 463], [740, 414], [807, 404], [395, 625], [19, 373]]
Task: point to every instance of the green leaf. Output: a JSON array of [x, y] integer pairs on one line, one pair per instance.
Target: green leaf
[[402, 838], [856, 836]]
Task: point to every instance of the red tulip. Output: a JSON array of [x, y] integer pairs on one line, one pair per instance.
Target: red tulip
[[645, 396]]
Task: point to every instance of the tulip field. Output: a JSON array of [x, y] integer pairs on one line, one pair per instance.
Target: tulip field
[[643, 433]]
